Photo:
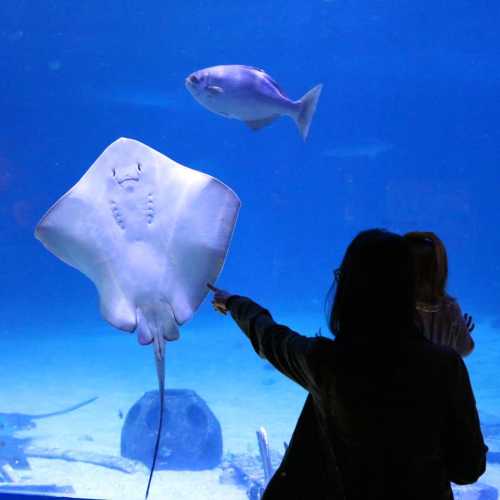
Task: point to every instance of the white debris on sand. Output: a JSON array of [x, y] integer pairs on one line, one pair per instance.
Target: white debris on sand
[[90, 481]]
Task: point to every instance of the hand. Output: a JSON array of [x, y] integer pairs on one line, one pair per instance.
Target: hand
[[220, 299], [468, 323]]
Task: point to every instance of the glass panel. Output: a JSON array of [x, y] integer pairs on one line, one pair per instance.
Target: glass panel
[[405, 137]]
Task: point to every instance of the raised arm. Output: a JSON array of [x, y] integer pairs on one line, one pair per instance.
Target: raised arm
[[461, 326], [290, 353]]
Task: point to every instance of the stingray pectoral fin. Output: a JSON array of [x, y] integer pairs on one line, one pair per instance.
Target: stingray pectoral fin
[[258, 124], [117, 310]]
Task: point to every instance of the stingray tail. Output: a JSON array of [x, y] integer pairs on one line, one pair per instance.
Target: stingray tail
[[160, 371], [307, 107], [66, 410]]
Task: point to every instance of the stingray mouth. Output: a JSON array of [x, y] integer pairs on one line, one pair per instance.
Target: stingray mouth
[[127, 179], [130, 173]]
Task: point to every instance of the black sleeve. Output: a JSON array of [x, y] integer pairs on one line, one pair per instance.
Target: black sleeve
[[465, 448], [286, 350]]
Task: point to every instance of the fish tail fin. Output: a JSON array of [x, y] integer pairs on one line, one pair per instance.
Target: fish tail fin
[[307, 107]]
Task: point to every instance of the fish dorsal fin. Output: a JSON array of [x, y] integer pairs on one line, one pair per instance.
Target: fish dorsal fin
[[276, 85], [272, 81], [256, 69], [258, 124]]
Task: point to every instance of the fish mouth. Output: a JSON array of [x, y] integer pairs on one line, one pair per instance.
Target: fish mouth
[[192, 79], [192, 83]]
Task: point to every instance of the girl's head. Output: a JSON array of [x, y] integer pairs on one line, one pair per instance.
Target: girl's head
[[431, 265], [374, 288]]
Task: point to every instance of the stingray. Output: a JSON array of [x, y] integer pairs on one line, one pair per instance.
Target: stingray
[[150, 233]]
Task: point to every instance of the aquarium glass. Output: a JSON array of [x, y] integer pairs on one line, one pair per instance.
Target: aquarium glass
[[406, 136]]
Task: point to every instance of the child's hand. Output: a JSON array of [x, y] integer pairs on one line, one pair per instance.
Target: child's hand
[[468, 323], [220, 299]]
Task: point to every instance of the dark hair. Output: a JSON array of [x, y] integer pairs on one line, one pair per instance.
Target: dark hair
[[374, 288], [431, 266]]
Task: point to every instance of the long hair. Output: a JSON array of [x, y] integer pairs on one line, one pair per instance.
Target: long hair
[[431, 266], [374, 288]]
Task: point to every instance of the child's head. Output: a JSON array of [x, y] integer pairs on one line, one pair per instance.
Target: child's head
[[431, 265]]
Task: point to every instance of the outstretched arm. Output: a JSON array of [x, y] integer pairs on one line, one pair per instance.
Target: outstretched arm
[[292, 354]]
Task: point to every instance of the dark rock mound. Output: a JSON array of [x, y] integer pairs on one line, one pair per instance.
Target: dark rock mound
[[191, 435]]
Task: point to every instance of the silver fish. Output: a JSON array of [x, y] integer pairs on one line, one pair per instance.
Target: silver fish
[[250, 95]]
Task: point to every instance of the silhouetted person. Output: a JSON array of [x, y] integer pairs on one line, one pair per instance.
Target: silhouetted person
[[389, 414], [438, 315]]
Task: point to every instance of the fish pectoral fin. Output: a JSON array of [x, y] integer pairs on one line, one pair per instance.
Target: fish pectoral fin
[[258, 124], [214, 90]]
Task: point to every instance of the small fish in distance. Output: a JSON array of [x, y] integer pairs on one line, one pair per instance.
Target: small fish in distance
[[250, 95]]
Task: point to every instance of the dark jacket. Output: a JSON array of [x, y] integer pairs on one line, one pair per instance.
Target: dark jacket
[[379, 423]]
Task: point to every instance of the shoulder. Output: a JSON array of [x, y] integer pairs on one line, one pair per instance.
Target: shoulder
[[321, 348], [452, 306], [449, 301]]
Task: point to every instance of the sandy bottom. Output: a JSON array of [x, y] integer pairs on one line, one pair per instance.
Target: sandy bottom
[[60, 366]]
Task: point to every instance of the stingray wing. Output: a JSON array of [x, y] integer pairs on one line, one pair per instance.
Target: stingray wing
[[205, 221], [70, 230], [79, 230]]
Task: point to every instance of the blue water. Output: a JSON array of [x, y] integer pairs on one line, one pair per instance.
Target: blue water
[[406, 137]]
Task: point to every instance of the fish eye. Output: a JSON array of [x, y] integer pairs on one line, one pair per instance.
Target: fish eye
[[194, 79], [114, 172], [139, 167]]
